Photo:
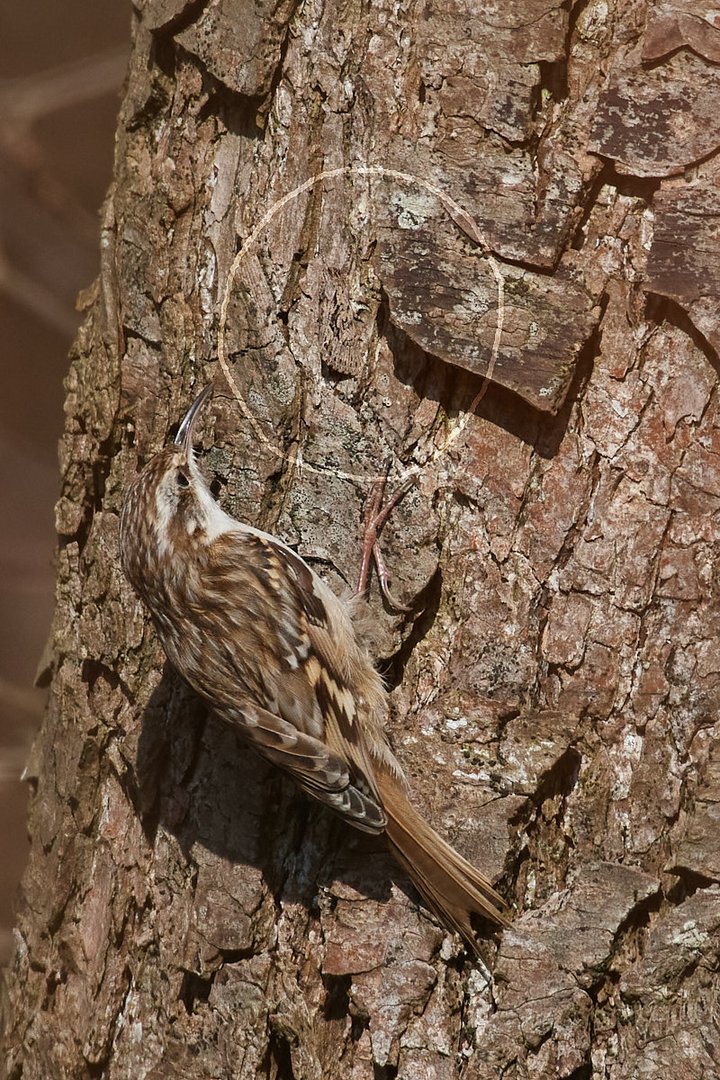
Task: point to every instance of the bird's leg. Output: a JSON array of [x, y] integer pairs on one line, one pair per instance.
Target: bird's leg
[[376, 514]]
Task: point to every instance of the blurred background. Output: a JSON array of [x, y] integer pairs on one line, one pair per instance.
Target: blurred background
[[61, 72]]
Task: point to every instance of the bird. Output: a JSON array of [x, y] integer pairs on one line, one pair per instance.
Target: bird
[[276, 653]]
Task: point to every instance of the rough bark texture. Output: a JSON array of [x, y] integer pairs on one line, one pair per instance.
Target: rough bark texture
[[186, 913]]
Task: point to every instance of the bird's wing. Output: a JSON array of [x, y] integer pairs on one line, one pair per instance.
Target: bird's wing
[[280, 658], [316, 769]]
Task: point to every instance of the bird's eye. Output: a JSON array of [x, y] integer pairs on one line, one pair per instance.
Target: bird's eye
[[182, 480]]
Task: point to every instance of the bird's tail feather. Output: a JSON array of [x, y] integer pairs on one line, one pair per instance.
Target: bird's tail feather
[[450, 885]]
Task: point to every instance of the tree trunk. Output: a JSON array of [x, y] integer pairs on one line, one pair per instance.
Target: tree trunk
[[185, 912]]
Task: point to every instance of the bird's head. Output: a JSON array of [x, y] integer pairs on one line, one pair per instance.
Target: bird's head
[[168, 506]]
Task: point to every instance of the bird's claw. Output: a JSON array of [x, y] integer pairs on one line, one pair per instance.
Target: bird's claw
[[376, 514]]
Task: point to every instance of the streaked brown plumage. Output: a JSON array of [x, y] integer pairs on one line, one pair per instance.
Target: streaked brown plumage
[[268, 644]]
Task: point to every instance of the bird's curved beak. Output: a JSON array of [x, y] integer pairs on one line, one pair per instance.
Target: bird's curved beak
[[185, 431]]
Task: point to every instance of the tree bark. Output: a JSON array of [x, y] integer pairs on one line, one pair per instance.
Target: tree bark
[[185, 912]]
